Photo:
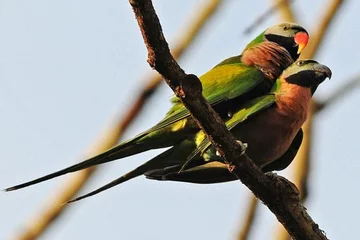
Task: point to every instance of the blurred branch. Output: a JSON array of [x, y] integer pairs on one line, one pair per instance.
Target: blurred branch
[[303, 157], [249, 219], [280, 4], [317, 38], [280, 195], [286, 12], [339, 93], [55, 207], [301, 165]]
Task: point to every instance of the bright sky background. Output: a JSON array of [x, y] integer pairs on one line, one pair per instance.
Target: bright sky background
[[67, 68]]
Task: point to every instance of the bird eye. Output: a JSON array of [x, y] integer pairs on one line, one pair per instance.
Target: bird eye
[[285, 28], [299, 63]]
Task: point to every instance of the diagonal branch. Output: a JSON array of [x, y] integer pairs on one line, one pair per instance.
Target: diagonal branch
[[55, 207], [249, 219], [301, 165], [318, 37], [282, 5], [287, 14], [339, 93], [286, 11], [277, 193]]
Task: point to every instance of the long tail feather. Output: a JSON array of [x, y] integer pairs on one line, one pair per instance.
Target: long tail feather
[[137, 172], [121, 151], [158, 162]]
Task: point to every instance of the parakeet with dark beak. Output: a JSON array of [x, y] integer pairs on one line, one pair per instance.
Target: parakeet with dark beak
[[270, 125], [267, 124], [226, 86]]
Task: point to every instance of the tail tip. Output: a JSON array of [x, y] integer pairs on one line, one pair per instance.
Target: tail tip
[[9, 189]]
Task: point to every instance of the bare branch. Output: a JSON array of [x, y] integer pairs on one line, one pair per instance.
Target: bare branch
[[301, 165], [318, 36], [339, 94], [276, 192], [249, 219], [54, 206], [280, 4], [286, 12]]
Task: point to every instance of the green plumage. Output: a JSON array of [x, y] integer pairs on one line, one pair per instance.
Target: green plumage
[[229, 86]]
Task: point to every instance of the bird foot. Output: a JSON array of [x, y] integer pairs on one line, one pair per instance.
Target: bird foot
[[243, 145], [243, 148]]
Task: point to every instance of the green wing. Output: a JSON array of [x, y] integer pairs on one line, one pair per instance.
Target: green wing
[[250, 108], [219, 84], [230, 60]]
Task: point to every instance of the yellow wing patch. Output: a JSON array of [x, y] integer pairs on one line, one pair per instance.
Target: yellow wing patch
[[179, 125]]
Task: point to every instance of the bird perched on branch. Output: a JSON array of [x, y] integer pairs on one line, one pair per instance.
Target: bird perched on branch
[[268, 124], [227, 86]]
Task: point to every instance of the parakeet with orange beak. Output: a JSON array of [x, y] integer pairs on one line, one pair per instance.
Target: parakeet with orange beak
[[267, 124], [227, 86]]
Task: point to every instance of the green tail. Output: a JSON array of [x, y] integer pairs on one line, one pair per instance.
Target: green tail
[[126, 149], [171, 157]]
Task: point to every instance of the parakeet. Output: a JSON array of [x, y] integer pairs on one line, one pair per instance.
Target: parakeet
[[268, 124], [291, 36], [230, 83]]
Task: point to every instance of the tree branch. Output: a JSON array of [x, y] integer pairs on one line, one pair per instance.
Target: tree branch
[[301, 165], [276, 192], [326, 20], [339, 93], [54, 206], [286, 11], [282, 5], [249, 219]]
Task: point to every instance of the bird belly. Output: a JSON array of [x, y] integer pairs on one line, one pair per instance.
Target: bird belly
[[268, 134]]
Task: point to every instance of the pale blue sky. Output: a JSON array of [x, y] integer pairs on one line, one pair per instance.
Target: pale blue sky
[[67, 68]]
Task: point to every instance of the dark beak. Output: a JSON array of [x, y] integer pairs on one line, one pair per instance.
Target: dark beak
[[323, 71]]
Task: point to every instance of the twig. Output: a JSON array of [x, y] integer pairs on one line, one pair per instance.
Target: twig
[[278, 5], [276, 192], [55, 207], [286, 11], [339, 93], [317, 38], [303, 156], [249, 219], [287, 14], [301, 165]]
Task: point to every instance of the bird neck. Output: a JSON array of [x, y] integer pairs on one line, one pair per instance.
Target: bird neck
[[268, 57], [293, 100]]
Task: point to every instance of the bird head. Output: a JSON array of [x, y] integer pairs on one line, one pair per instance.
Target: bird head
[[291, 36], [306, 73]]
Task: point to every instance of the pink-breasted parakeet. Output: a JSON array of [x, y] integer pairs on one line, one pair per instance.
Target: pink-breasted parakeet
[[226, 86], [267, 124]]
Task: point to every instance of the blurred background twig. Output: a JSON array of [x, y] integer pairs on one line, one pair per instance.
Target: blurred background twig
[[55, 205], [339, 93], [301, 164], [287, 14], [249, 218]]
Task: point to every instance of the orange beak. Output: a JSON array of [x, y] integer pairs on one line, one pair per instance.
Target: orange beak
[[301, 39]]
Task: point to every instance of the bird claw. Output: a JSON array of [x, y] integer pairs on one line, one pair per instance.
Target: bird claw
[[243, 148], [243, 145], [218, 154]]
